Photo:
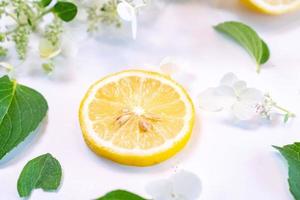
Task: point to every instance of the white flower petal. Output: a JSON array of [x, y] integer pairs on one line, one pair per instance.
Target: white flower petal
[[186, 185], [169, 66], [229, 79], [126, 11], [244, 110], [251, 95], [225, 91], [185, 79], [215, 99], [134, 25], [160, 190], [239, 86]]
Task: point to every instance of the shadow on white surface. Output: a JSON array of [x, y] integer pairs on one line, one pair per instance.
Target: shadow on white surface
[[277, 120], [24, 147], [283, 168]]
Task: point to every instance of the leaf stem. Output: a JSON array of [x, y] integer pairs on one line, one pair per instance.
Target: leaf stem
[[43, 14], [290, 114], [20, 25], [258, 67]]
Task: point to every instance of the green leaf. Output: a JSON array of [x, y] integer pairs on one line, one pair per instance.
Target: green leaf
[[44, 3], [120, 195], [292, 154], [66, 11], [247, 38], [21, 111], [266, 53], [41, 172]]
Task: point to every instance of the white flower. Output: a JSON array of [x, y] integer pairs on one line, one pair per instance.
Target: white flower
[[232, 94], [177, 69], [183, 185], [128, 12], [170, 66]]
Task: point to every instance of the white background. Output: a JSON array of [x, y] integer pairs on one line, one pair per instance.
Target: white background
[[234, 161]]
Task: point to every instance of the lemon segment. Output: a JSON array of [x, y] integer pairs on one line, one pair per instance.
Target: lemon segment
[[273, 7], [136, 117]]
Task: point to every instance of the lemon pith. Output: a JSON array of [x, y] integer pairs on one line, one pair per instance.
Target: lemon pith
[[272, 7], [136, 117]]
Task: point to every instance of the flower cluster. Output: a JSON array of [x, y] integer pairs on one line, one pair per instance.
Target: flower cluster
[[21, 19], [105, 13], [113, 12], [177, 68], [183, 185], [245, 103], [21, 39]]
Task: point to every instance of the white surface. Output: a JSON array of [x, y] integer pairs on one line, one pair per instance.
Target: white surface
[[234, 162]]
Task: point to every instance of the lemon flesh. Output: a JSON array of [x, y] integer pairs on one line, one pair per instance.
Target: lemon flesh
[[273, 7], [136, 117]]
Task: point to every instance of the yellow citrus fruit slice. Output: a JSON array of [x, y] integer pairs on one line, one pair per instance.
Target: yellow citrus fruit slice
[[273, 7], [136, 117]]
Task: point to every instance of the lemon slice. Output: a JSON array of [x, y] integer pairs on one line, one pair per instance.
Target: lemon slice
[[136, 117], [274, 7]]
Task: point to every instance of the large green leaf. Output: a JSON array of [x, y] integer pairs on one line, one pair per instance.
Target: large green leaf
[[41, 172], [247, 38], [21, 111], [292, 155], [66, 11], [120, 195], [44, 3]]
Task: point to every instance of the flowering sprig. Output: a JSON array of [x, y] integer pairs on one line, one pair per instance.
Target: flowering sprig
[[113, 12], [102, 12], [244, 103], [26, 17], [265, 109]]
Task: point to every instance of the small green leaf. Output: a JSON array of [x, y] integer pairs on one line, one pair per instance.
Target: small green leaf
[[21, 111], [66, 11], [120, 195], [247, 38], [41, 172], [291, 154], [44, 3]]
